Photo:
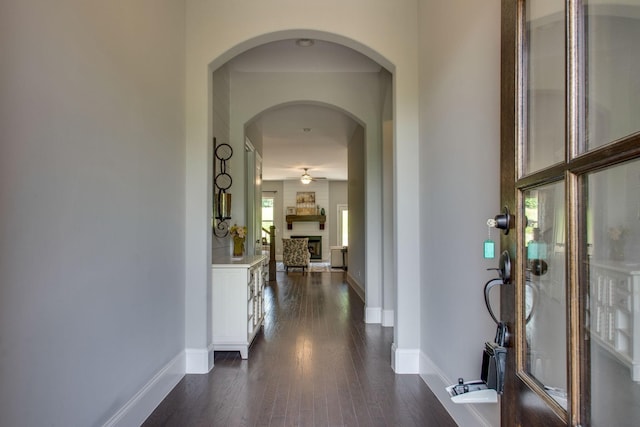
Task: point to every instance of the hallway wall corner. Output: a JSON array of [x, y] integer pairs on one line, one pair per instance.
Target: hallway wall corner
[[142, 404], [199, 360], [405, 360], [388, 318], [373, 315]]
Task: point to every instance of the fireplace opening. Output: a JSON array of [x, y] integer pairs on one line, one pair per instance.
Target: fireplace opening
[[315, 245]]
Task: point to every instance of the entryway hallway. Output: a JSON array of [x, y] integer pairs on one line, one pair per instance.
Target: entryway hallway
[[316, 363]]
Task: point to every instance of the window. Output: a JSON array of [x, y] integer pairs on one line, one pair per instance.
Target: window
[[267, 217], [343, 225]]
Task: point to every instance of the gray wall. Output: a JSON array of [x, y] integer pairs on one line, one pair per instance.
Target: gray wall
[[388, 197], [92, 205], [221, 246], [357, 236], [459, 184]]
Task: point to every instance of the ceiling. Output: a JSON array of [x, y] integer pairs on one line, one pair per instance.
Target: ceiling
[[304, 135]]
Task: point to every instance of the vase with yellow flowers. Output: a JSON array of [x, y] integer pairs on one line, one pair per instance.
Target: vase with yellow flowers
[[238, 234]]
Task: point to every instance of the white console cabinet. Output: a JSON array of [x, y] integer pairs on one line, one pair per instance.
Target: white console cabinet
[[615, 311], [237, 302]]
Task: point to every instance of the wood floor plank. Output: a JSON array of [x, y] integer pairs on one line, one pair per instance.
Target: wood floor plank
[[315, 363]]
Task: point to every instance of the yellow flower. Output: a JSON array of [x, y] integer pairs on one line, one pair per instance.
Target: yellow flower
[[238, 231]]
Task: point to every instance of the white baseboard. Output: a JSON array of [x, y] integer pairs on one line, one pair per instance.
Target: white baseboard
[[199, 360], [405, 361], [356, 286], [462, 414], [387, 318], [145, 401], [373, 315]]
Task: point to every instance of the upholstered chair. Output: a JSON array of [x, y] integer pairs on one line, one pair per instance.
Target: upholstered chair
[[295, 253]]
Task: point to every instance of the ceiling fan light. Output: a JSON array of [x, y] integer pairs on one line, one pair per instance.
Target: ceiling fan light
[[305, 178]]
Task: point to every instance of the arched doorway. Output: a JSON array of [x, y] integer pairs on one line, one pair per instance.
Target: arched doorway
[[374, 219]]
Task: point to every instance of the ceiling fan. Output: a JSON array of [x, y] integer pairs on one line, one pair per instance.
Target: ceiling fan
[[307, 179]]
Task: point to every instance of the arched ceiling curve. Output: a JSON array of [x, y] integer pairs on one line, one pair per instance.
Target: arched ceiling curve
[[303, 134]]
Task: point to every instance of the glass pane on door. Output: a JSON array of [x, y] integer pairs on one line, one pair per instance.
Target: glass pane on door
[[613, 297], [545, 85], [545, 305], [612, 73]]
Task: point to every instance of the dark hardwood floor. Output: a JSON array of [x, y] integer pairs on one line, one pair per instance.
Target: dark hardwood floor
[[316, 363]]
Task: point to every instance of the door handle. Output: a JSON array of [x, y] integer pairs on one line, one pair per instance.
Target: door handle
[[504, 272], [504, 268], [487, 288]]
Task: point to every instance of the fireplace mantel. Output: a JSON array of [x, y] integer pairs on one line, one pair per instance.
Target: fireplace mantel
[[321, 219]]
